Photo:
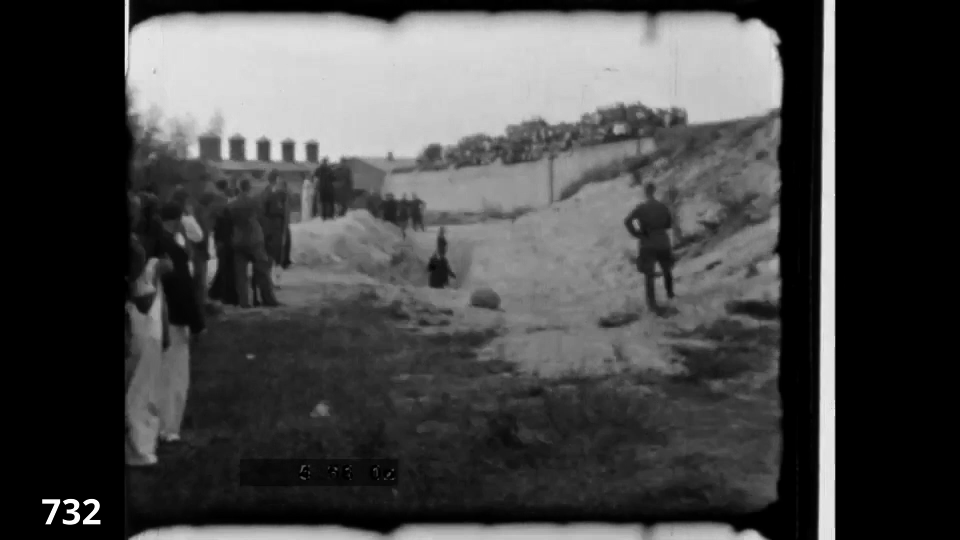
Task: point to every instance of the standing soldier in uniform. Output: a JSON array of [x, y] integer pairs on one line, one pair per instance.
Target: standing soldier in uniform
[[653, 233], [417, 207], [276, 217], [249, 247], [403, 214], [326, 190]]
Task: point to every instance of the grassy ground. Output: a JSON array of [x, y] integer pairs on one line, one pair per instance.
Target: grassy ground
[[469, 435]]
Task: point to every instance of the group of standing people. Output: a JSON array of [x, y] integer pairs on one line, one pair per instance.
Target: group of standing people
[[163, 315], [328, 192], [403, 213], [253, 242], [167, 297]]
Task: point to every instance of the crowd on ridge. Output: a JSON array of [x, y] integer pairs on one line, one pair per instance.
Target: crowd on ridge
[[533, 139]]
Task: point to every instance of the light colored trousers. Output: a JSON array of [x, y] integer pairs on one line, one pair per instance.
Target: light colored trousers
[[143, 373], [306, 203], [158, 381]]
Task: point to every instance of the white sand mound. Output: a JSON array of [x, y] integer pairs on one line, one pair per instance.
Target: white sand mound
[[573, 263], [359, 242]]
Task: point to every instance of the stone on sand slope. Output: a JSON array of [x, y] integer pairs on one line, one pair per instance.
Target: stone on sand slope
[[485, 298]]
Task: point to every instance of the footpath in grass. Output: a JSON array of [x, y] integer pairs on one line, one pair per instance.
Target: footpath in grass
[[469, 435]]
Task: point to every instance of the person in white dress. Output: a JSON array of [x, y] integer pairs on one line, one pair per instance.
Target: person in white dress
[[306, 200], [143, 365]]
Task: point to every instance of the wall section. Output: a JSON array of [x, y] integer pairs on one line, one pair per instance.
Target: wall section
[[505, 186]]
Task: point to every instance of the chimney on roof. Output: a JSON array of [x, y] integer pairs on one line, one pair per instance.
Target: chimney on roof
[[389, 156], [287, 150], [313, 151], [263, 149], [210, 147], [238, 148]]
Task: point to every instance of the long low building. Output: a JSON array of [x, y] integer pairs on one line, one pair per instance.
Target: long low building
[[368, 173]]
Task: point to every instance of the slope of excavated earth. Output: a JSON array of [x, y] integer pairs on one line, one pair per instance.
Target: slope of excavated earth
[[562, 269]]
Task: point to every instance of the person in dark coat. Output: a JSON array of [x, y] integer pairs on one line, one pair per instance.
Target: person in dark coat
[[181, 299], [275, 221], [403, 214], [374, 204], [655, 222], [326, 189], [249, 248], [440, 271], [442, 241], [417, 207], [223, 288], [389, 209], [344, 187]]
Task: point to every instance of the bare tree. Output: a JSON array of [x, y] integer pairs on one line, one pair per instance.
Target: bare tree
[[180, 135], [217, 124]]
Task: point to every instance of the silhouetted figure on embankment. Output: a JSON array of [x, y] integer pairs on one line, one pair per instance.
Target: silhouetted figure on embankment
[[655, 222]]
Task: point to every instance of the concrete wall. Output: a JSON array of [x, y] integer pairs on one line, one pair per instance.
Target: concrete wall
[[505, 186]]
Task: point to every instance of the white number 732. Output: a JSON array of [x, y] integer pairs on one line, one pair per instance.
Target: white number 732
[[55, 503]]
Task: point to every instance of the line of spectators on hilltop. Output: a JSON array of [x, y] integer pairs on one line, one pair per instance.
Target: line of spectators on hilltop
[[534, 139]]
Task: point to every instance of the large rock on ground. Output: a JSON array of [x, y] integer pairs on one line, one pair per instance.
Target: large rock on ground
[[485, 298]]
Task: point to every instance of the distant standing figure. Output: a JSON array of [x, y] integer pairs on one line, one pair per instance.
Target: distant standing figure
[[417, 207], [440, 271], [655, 221], [249, 248], [390, 209], [223, 288], [326, 189], [403, 214], [374, 204], [306, 200], [442, 241], [344, 187], [276, 217]]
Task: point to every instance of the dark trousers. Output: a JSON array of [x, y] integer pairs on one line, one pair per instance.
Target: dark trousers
[[257, 256], [648, 260], [327, 209], [417, 222], [200, 280]]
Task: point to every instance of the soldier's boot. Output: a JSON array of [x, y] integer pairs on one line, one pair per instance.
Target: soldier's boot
[[649, 285], [668, 282]]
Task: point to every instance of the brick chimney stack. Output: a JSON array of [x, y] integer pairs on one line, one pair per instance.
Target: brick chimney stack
[[287, 150], [313, 151], [263, 149], [238, 148], [210, 147]]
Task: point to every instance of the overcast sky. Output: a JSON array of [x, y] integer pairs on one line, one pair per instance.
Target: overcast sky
[[362, 87]]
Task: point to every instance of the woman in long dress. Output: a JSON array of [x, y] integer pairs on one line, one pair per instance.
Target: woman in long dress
[[145, 317], [185, 320], [306, 200]]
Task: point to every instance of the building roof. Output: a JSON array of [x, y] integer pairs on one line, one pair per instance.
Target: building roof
[[311, 141], [385, 164], [237, 137], [263, 139], [288, 140], [280, 166]]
